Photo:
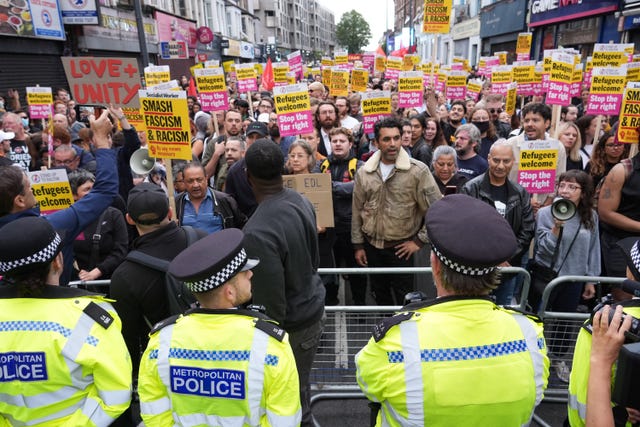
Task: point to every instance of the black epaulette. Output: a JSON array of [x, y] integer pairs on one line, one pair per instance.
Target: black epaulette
[[530, 315], [166, 322], [271, 329], [99, 314], [381, 329]]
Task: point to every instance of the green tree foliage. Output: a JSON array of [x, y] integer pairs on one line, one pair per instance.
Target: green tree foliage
[[353, 32]]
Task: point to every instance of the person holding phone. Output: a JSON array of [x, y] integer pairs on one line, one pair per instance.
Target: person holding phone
[[445, 170]]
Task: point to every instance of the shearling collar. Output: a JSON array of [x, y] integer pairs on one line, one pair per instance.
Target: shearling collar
[[403, 161]]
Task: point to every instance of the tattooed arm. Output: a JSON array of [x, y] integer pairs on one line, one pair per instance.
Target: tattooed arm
[[609, 201]]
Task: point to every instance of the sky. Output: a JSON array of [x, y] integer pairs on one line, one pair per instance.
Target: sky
[[375, 16]]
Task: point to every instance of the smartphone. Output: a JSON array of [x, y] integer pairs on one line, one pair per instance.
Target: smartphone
[[87, 109], [450, 189]]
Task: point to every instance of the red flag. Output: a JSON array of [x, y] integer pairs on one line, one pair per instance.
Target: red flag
[[380, 52], [192, 88], [267, 76]]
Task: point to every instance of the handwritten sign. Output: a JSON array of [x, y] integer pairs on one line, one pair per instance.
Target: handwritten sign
[[316, 187], [103, 80], [51, 190], [293, 109], [166, 117], [213, 89]]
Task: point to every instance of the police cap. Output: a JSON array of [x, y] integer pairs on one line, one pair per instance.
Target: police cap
[[631, 248], [212, 261], [27, 242], [468, 235]]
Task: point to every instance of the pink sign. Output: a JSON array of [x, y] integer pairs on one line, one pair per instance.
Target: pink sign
[[214, 101], [172, 28], [40, 111], [370, 121], [295, 64], [559, 93], [457, 92], [247, 85], [500, 88], [526, 89], [410, 99], [391, 74], [295, 123], [607, 104], [368, 59], [537, 181], [522, 57]]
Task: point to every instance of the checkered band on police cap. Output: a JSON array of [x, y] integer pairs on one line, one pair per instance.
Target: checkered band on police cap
[[463, 269], [635, 258], [39, 247], [223, 275]]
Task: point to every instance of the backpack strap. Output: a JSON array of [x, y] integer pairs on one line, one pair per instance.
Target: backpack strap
[[148, 261], [95, 242]]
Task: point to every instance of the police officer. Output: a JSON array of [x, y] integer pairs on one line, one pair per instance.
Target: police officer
[[459, 359], [62, 357], [581, 365], [219, 364]]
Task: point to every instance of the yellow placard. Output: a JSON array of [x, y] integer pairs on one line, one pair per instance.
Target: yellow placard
[[228, 66], [524, 43], [245, 73], [341, 58], [436, 16], [577, 74], [380, 63], [293, 102], [154, 78], [339, 83], [510, 102], [633, 72], [193, 69], [394, 63], [502, 57], [135, 118], [374, 103], [611, 54], [523, 73], [291, 78], [259, 69], [280, 70], [456, 80], [166, 117], [40, 98], [501, 76], [211, 83], [538, 159], [410, 83], [561, 71], [327, 62], [326, 76], [51, 190], [605, 81], [408, 62], [474, 86], [359, 80], [630, 114]]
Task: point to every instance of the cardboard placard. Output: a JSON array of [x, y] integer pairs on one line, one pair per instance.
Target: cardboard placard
[[103, 80], [316, 187]]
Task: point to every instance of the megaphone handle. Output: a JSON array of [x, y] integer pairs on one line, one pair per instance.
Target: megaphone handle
[[170, 189]]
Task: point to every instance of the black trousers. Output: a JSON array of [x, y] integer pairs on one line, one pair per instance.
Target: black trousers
[[388, 289]]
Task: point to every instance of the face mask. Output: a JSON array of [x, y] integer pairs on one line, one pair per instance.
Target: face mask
[[25, 122], [482, 126]]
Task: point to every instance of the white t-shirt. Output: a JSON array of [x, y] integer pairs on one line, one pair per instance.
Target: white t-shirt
[[385, 170]]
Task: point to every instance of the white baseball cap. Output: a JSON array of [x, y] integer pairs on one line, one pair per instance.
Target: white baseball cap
[[4, 135]]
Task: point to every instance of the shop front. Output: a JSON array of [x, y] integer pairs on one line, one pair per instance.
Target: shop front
[[500, 24]]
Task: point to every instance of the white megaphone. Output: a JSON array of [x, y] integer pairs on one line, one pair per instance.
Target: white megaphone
[[141, 162], [563, 209]]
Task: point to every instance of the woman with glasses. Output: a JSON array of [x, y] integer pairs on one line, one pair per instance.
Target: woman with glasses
[[606, 154], [103, 245], [570, 247]]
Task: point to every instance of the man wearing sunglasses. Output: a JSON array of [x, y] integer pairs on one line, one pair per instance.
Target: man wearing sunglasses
[[494, 102]]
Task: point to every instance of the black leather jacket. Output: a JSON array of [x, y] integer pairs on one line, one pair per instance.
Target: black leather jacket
[[518, 214]]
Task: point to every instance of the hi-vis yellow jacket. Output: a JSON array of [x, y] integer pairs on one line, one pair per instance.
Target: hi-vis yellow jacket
[[453, 362], [579, 380], [219, 368], [63, 361]]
